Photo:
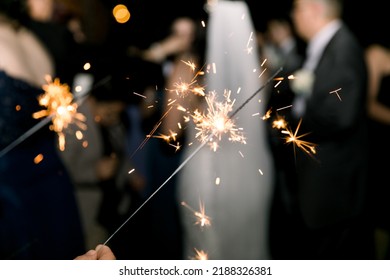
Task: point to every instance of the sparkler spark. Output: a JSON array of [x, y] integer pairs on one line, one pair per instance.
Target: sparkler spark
[[292, 137], [279, 123], [267, 114], [154, 129], [249, 48], [183, 88], [201, 218], [285, 107], [336, 91], [167, 138], [200, 255], [60, 105]]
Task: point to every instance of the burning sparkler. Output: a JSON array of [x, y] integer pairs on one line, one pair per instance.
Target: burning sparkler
[[217, 121], [183, 88], [180, 89], [79, 117], [60, 105], [292, 137]]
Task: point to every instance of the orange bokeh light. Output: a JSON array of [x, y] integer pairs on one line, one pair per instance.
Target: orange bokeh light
[[121, 13]]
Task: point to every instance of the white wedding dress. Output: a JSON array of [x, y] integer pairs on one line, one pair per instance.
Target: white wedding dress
[[239, 205]]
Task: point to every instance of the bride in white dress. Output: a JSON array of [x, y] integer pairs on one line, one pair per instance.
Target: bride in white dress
[[233, 183]]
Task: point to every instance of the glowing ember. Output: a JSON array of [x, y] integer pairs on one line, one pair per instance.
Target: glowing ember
[[305, 146], [201, 218], [200, 255]]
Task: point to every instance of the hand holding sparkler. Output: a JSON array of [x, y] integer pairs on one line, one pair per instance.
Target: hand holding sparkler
[[101, 252]]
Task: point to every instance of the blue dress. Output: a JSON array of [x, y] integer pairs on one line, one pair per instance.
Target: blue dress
[[39, 218]]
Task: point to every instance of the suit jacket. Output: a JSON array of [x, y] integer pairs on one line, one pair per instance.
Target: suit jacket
[[332, 185]]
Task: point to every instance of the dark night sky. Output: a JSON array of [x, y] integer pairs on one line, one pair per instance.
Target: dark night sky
[[151, 18], [369, 20]]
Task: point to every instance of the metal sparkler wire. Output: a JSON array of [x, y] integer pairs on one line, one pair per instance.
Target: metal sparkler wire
[[190, 157], [25, 135], [256, 92], [47, 120], [158, 189]]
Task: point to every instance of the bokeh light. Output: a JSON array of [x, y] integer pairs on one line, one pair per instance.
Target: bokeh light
[[121, 13]]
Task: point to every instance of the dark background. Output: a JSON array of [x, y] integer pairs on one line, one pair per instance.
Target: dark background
[[150, 19]]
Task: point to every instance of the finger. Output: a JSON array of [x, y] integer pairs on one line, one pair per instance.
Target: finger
[[90, 255], [104, 253]]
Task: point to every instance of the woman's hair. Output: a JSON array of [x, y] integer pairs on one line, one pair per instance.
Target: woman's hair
[[15, 10]]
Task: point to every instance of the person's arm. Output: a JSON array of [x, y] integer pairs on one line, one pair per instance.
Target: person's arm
[[101, 252], [378, 60], [180, 40]]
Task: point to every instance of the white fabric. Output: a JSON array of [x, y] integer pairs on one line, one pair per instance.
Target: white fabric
[[239, 205]]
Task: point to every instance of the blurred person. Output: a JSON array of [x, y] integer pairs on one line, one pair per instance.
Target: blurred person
[[41, 10], [184, 45], [182, 36], [58, 25], [162, 158], [329, 109], [238, 206], [102, 169], [378, 61], [281, 48], [39, 217]]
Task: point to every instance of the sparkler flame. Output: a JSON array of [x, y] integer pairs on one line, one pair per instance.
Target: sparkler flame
[[59, 104], [216, 121], [47, 120]]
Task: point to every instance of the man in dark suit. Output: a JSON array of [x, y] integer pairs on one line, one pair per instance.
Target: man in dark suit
[[329, 104]]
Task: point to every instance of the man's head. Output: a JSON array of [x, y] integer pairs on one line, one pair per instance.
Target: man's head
[[309, 16]]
